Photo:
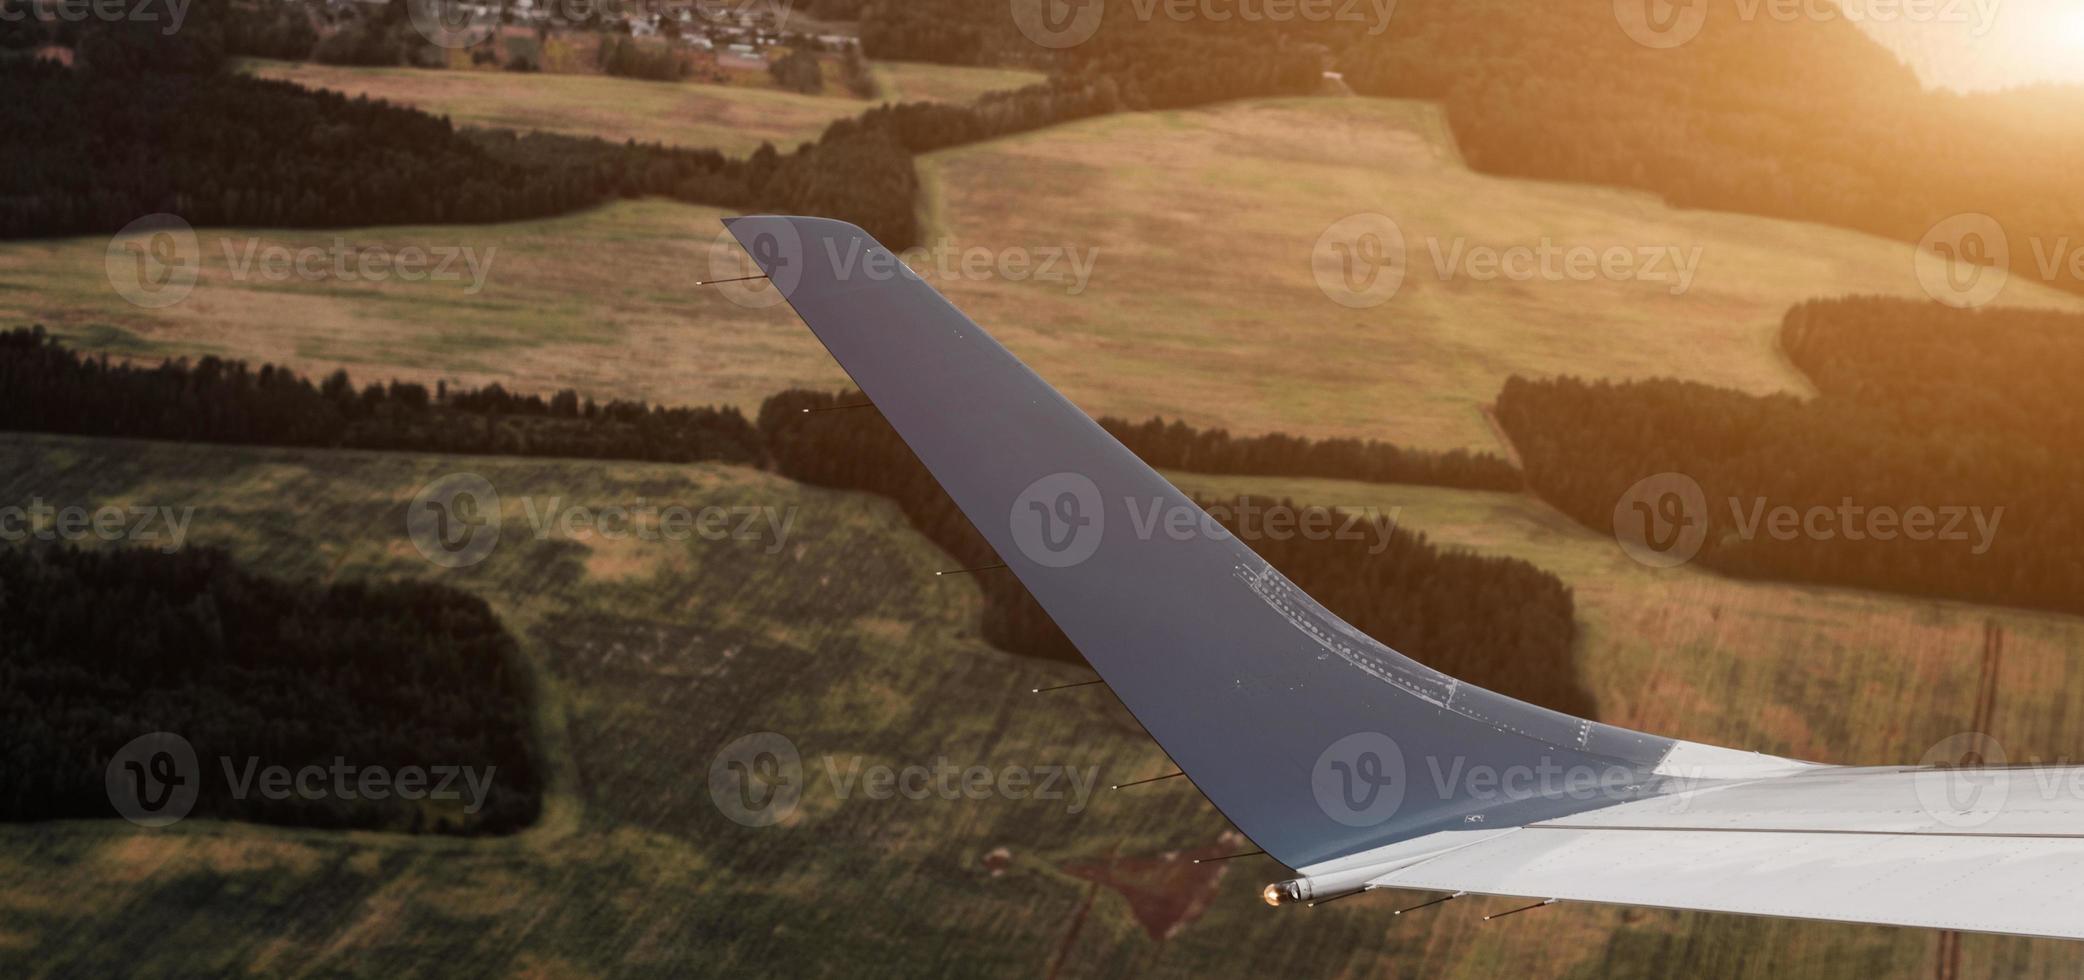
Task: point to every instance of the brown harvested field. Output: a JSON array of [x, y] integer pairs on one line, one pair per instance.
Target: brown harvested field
[[1203, 304], [913, 81], [1825, 674], [735, 119], [602, 301], [1198, 228]]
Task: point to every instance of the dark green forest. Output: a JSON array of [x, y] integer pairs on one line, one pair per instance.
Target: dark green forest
[[100, 647], [1498, 622], [45, 387], [1179, 446], [1918, 406]]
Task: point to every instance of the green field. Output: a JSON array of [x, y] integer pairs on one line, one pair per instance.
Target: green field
[[1201, 303], [654, 655], [733, 118], [600, 301], [914, 81]]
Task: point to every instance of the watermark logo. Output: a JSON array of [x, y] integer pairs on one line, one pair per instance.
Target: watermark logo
[[1662, 520], [454, 520], [248, 260], [1058, 24], [453, 23], [1359, 261], [1665, 24], [1661, 24], [153, 262], [1964, 261], [757, 780], [1359, 780], [1962, 781], [1058, 520], [763, 271], [1362, 261], [644, 520], [154, 780]]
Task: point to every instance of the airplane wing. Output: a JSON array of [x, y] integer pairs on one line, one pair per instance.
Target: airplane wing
[[1344, 759]]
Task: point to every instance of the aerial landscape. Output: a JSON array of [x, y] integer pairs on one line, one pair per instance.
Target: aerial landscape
[[432, 544]]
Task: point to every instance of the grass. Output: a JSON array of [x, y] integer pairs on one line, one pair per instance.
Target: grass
[[735, 119], [1201, 304], [656, 654], [913, 81], [601, 301]]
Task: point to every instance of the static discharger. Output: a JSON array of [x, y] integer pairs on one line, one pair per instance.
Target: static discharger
[[1427, 905], [716, 282], [1229, 857], [1523, 908], [1153, 779], [838, 408], [964, 571], [1066, 687]]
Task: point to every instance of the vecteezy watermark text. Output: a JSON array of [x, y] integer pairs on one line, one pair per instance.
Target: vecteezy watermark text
[[155, 261], [1061, 519], [175, 12], [1667, 24], [1663, 521], [166, 527], [155, 780], [1363, 260], [1061, 24], [758, 780], [456, 521], [643, 520]]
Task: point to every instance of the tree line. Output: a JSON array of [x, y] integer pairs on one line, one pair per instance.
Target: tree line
[[1497, 622], [1179, 446], [100, 647], [147, 125], [45, 387], [48, 387], [1800, 118], [163, 127], [1960, 421], [1503, 624]]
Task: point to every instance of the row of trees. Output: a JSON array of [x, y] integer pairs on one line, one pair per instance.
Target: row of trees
[[1963, 422], [45, 387], [1500, 623], [1179, 446], [158, 125], [142, 125], [100, 647]]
